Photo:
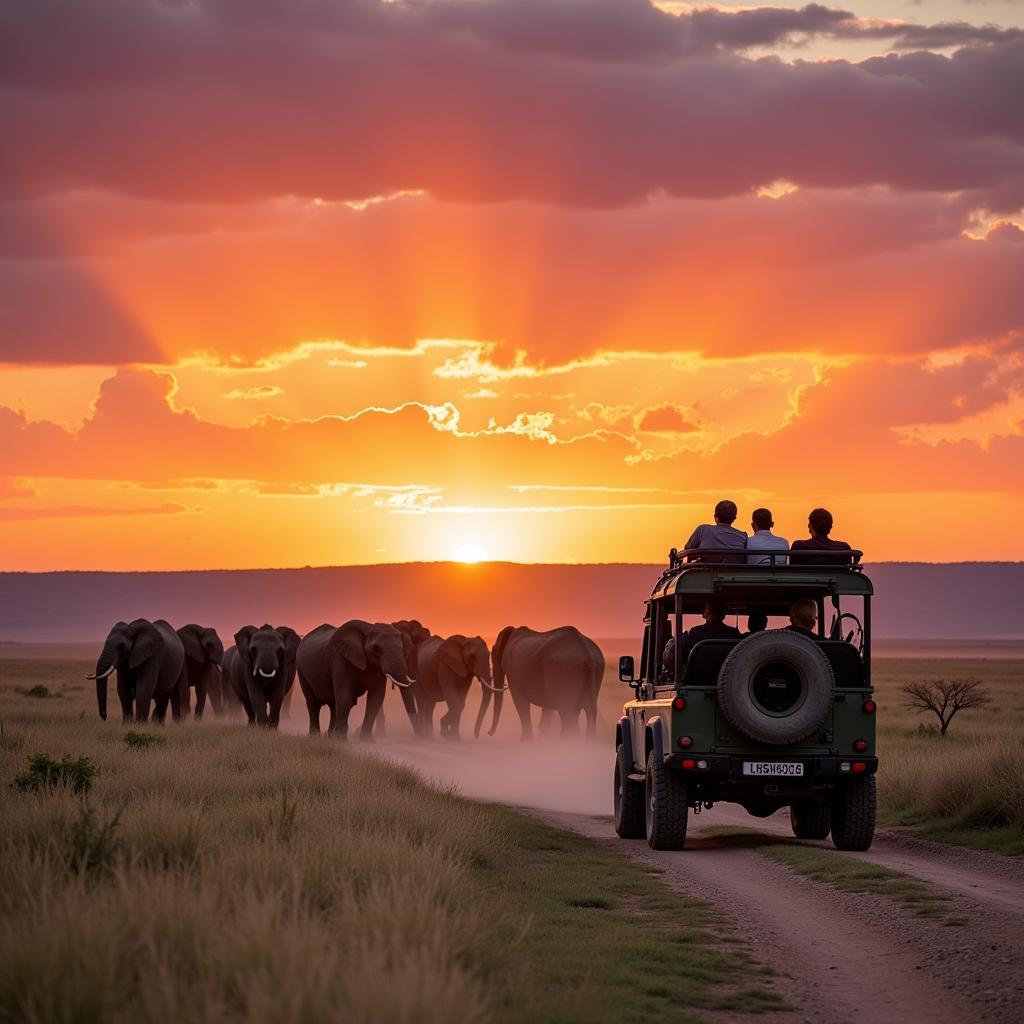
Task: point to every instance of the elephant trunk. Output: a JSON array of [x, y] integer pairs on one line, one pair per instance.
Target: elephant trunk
[[499, 696], [108, 658]]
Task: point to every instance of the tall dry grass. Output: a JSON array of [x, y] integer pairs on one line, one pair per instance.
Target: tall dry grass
[[231, 874]]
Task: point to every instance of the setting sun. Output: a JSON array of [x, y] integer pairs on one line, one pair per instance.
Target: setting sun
[[470, 553]]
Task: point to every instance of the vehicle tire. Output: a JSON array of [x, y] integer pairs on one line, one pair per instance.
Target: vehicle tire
[[628, 799], [811, 819], [775, 687], [666, 809], [853, 813]]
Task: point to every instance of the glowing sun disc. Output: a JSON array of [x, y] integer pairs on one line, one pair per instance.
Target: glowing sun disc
[[470, 553]]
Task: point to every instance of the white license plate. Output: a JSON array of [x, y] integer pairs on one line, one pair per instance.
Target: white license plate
[[785, 768]]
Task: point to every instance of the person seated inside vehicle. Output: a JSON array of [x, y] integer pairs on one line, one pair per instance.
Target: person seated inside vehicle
[[819, 526], [714, 628], [803, 617], [719, 534], [757, 622], [762, 539]]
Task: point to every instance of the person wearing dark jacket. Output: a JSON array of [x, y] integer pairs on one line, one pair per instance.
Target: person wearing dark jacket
[[714, 628], [820, 549]]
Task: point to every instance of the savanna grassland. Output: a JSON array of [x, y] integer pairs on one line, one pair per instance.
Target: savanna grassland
[[965, 787], [210, 872]]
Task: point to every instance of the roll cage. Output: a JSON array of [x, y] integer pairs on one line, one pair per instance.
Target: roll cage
[[769, 586]]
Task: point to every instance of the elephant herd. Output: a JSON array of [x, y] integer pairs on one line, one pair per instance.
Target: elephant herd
[[559, 671]]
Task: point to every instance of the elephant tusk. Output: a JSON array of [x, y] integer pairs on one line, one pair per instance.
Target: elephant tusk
[[398, 682], [496, 689], [267, 675], [254, 671], [101, 675]]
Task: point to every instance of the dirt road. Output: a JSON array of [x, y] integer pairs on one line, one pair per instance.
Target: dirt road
[[840, 957]]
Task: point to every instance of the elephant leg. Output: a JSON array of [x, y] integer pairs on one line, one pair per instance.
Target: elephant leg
[[124, 695], [380, 726], [160, 707], [212, 688], [547, 722], [276, 700], [570, 718], [426, 718], [249, 713], [374, 702], [591, 712], [313, 707], [344, 702], [200, 698], [522, 704]]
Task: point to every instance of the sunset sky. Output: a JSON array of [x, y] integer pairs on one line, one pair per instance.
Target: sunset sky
[[344, 281]]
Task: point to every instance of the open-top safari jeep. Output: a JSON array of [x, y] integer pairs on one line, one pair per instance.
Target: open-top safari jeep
[[777, 718]]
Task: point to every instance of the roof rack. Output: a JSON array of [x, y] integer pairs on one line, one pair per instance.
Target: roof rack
[[690, 558]]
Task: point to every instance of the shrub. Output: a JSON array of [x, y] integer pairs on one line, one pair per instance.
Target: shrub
[[46, 773], [91, 846], [38, 691], [143, 740]]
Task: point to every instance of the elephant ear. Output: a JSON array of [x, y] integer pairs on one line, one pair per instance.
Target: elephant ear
[[214, 645], [190, 639], [146, 642], [352, 645], [242, 638], [291, 641], [453, 656]]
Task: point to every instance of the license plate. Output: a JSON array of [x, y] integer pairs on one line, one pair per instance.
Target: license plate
[[785, 768]]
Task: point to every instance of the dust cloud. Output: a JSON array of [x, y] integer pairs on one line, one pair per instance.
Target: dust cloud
[[550, 772]]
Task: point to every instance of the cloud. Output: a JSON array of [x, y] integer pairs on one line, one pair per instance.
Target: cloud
[[257, 392], [597, 104], [666, 419], [93, 512]]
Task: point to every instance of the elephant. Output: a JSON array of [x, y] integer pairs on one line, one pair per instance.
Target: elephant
[[149, 659], [559, 670], [445, 670], [291, 647], [259, 673], [417, 634], [204, 653], [338, 664]]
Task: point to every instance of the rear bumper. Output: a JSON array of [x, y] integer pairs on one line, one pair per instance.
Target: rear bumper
[[729, 768]]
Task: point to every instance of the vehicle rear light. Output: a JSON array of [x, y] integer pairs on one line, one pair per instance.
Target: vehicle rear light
[[858, 766], [688, 762], [686, 741], [844, 766], [679, 703], [702, 764], [860, 746], [870, 707]]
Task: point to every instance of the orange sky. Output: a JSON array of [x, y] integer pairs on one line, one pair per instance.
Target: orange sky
[[377, 283]]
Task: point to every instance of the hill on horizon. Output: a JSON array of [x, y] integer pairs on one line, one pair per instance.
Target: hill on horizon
[[968, 600]]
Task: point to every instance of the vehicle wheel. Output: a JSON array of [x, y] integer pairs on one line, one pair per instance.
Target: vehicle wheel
[[811, 819], [775, 687], [666, 806], [853, 814], [629, 800]]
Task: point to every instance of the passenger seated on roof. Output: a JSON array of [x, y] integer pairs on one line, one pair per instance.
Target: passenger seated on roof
[[720, 534], [819, 526], [762, 539], [714, 628], [803, 617], [757, 622]]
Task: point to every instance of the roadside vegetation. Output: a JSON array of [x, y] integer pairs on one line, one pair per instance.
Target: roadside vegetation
[[216, 873]]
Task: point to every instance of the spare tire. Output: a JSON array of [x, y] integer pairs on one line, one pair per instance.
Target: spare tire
[[776, 687]]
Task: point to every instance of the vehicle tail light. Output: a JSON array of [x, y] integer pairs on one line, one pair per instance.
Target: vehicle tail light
[[679, 703], [870, 707], [686, 741], [702, 764], [860, 746], [858, 766], [845, 766], [688, 762]]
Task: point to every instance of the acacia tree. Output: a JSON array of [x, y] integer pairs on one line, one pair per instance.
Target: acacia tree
[[944, 697]]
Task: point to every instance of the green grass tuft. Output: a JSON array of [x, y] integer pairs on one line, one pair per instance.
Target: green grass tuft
[[143, 740], [44, 772]]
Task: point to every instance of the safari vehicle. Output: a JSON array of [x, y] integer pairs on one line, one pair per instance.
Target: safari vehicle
[[774, 719]]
